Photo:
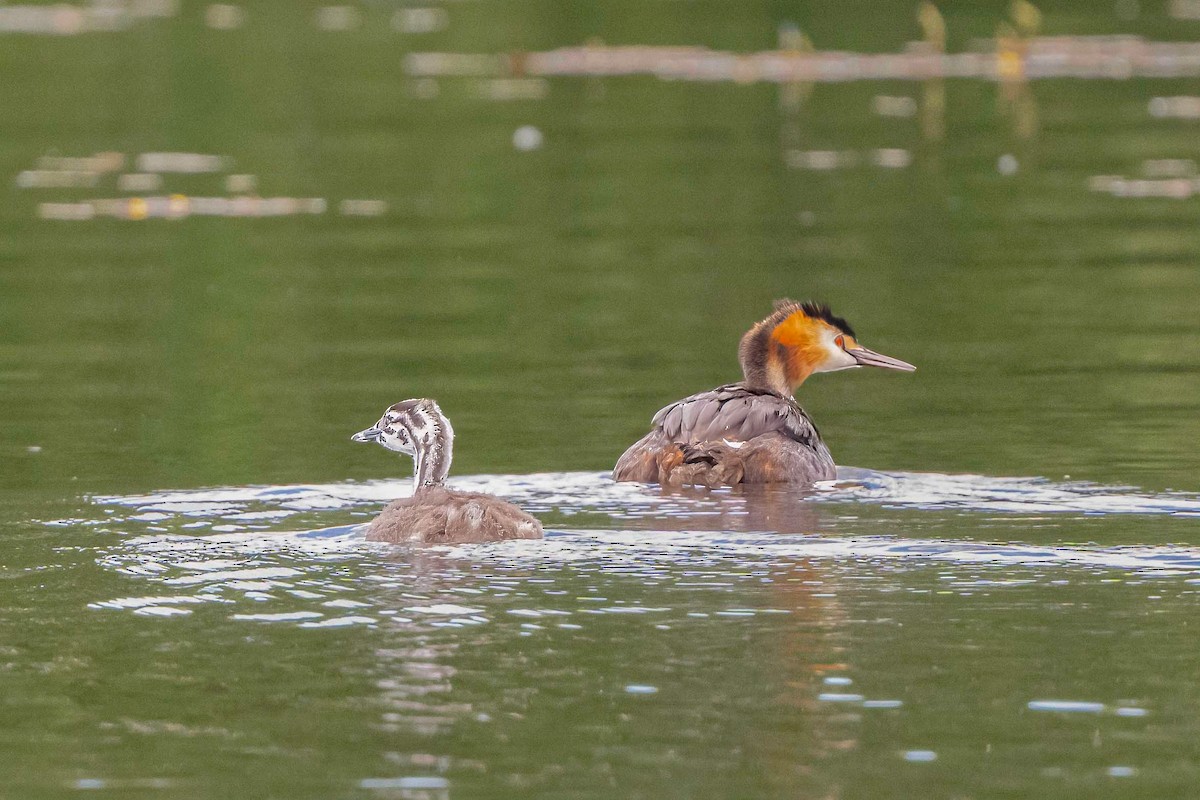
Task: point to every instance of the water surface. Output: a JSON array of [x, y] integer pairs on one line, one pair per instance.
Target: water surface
[[996, 600]]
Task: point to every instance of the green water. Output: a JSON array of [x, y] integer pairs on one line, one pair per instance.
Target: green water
[[552, 300]]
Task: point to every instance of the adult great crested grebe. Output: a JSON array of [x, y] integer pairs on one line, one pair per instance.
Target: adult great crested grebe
[[435, 514], [754, 431]]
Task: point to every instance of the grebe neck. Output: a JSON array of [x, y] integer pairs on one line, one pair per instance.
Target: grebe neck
[[433, 445], [764, 362]]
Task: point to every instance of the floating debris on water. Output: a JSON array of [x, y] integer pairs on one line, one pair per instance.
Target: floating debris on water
[[1179, 107], [1169, 168], [919, 756], [139, 182], [337, 18], [224, 17], [178, 206], [1038, 57], [190, 163], [57, 179], [62, 19], [1167, 188], [87, 172], [420, 20], [826, 160]]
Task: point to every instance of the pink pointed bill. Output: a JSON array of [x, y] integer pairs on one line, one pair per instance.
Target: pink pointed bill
[[869, 358]]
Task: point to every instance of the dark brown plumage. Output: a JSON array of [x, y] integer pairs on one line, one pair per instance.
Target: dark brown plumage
[[435, 514], [729, 435]]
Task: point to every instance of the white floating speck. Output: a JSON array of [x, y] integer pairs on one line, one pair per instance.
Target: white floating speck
[[920, 756], [527, 138], [1007, 164], [882, 703], [1120, 772], [638, 688], [1066, 706], [411, 783], [835, 697], [1128, 711]]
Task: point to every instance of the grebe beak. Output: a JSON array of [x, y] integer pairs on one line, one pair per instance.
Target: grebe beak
[[371, 434], [869, 358]]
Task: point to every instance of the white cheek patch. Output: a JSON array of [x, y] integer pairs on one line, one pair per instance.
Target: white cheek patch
[[836, 358], [393, 442]]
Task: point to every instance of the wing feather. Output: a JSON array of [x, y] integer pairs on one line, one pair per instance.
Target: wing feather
[[734, 412]]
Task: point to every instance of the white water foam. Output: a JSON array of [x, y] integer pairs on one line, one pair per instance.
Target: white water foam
[[574, 493]]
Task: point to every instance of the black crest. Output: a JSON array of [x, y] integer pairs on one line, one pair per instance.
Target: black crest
[[819, 311]]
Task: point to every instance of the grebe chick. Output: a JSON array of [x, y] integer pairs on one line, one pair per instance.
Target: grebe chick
[[754, 431], [435, 514]]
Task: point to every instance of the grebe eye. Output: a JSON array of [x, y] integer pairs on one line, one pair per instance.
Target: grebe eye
[[840, 342]]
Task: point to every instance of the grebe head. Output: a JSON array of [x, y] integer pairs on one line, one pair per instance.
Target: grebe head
[[416, 428], [799, 339]]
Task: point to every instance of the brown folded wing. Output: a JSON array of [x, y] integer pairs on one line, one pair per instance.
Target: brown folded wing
[[728, 435]]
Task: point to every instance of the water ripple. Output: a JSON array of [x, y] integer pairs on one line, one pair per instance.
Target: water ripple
[[251, 563], [576, 493]]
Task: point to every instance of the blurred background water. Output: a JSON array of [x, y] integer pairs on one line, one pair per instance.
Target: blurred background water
[[231, 235]]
